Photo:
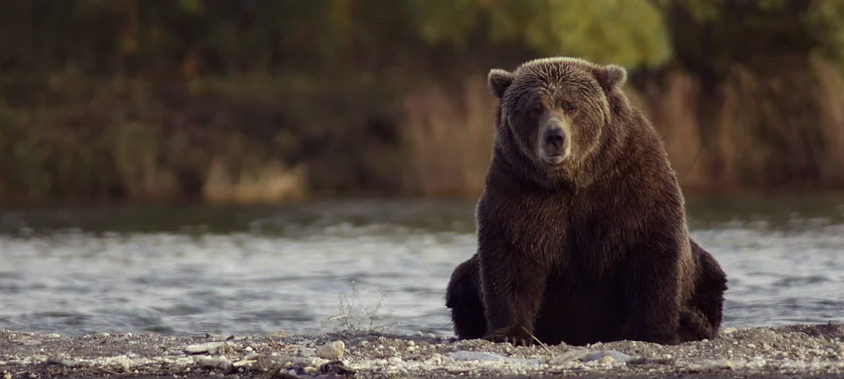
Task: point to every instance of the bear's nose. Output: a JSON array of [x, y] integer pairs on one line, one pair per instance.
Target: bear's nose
[[554, 137]]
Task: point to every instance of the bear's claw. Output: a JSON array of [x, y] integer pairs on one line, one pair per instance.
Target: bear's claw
[[517, 339]]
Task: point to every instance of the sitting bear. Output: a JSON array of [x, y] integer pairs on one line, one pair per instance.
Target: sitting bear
[[581, 226]]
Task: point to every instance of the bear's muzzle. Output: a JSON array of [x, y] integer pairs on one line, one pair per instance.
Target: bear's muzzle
[[554, 141]]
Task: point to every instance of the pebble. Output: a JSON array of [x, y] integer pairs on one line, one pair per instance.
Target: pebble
[[53, 335], [279, 334], [617, 356], [331, 350], [607, 359], [569, 356], [766, 346], [208, 347], [215, 362], [121, 362], [243, 362], [806, 356], [464, 355], [307, 352], [39, 358]]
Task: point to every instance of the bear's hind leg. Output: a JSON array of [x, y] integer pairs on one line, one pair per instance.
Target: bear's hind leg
[[707, 302], [464, 298]]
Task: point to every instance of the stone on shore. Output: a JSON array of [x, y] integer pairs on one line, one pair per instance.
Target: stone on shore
[[796, 351]]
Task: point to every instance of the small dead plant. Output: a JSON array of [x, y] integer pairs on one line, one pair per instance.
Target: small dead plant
[[356, 318]]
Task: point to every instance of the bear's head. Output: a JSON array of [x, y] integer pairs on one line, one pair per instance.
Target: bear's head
[[557, 114]]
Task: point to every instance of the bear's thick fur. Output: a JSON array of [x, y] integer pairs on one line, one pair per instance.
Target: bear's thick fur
[[582, 232]]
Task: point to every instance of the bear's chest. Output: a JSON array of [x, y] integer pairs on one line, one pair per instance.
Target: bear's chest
[[581, 242]]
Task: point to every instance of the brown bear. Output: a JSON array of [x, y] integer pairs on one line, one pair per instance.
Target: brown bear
[[581, 226]]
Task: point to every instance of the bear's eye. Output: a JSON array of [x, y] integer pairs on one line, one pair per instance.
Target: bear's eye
[[536, 110], [568, 106]]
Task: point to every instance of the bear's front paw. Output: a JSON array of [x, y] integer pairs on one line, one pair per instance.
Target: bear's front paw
[[661, 337], [516, 336]]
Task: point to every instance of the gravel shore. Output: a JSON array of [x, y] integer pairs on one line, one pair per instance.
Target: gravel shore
[[799, 351]]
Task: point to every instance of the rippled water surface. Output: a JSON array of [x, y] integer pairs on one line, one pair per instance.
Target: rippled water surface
[[189, 270]]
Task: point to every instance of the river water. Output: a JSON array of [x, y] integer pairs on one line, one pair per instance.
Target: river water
[[353, 264]]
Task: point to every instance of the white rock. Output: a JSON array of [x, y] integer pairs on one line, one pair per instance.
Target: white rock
[[120, 361], [331, 350], [728, 330], [214, 362], [607, 359], [464, 355], [569, 356], [242, 363], [208, 347], [306, 352], [616, 355], [183, 361]]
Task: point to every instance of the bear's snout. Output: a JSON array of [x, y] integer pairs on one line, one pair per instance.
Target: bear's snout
[[554, 137], [554, 141]]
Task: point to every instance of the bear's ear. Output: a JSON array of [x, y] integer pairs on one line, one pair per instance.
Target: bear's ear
[[499, 80], [611, 76]]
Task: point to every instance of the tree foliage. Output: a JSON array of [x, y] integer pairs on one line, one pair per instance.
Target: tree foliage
[[169, 85], [231, 35], [767, 36], [627, 32]]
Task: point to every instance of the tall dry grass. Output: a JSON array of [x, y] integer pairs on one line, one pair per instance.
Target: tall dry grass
[[449, 139], [116, 138], [271, 182], [758, 133], [782, 132], [72, 138], [673, 109], [829, 95], [771, 132]]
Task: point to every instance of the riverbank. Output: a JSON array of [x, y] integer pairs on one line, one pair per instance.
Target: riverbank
[[794, 351]]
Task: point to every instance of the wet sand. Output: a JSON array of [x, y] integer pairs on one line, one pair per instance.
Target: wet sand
[[798, 351]]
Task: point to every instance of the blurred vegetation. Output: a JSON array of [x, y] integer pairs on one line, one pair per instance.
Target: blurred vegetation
[[274, 100]]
